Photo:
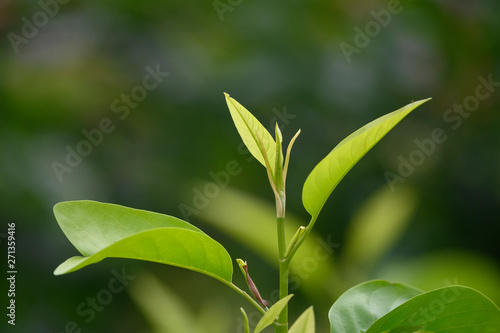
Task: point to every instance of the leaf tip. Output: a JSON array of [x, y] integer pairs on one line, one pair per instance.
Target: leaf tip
[[421, 101], [279, 136], [57, 206], [58, 271]]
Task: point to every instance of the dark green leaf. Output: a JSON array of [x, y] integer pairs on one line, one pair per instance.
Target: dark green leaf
[[454, 309], [359, 307]]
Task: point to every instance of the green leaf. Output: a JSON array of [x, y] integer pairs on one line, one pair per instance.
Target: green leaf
[[91, 226], [100, 230], [287, 158], [454, 309], [271, 314], [359, 307], [258, 140], [305, 323], [329, 172]]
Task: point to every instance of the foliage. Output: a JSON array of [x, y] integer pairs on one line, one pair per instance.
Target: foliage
[[100, 230]]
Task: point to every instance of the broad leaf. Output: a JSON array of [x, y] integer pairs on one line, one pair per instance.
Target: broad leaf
[[258, 140], [271, 314], [454, 309], [305, 323], [359, 307], [101, 230], [173, 246], [329, 172], [91, 226]]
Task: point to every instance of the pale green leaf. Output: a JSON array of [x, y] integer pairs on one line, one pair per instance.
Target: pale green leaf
[[271, 314], [329, 172], [258, 140], [454, 309], [101, 230], [359, 307], [305, 323], [288, 152]]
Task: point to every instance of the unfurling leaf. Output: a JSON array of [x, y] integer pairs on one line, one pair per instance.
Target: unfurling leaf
[[251, 285]]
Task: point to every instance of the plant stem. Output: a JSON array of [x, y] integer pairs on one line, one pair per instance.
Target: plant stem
[[282, 326], [281, 238]]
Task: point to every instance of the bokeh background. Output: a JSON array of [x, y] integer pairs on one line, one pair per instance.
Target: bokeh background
[[65, 66]]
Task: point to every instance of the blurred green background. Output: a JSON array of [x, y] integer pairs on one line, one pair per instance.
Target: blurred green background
[[68, 66]]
